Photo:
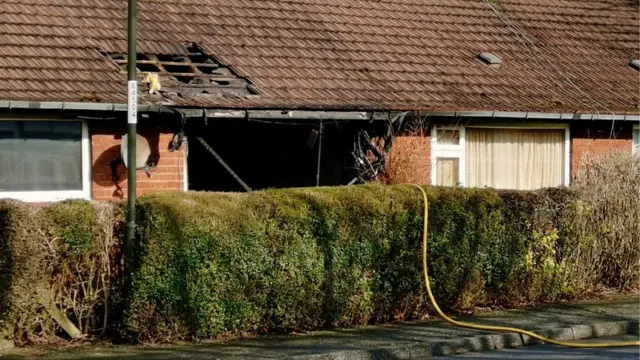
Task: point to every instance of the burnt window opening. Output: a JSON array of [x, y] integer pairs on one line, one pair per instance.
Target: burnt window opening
[[268, 155], [194, 69]]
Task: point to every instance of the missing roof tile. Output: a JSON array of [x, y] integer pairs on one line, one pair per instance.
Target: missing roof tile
[[176, 64], [179, 66], [146, 63], [194, 69]]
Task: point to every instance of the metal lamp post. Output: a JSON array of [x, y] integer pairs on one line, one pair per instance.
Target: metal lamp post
[[132, 121]]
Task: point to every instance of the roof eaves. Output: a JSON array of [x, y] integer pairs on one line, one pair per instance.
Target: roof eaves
[[281, 113], [533, 115]]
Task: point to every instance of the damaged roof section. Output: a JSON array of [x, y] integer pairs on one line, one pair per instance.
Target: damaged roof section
[[557, 56], [185, 76]]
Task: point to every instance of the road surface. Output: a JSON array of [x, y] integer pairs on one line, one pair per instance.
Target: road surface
[[548, 352]]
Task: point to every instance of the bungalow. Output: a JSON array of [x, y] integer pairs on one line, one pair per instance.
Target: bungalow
[[274, 93]]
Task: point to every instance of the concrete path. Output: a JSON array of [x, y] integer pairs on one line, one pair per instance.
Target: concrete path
[[394, 341], [548, 352]]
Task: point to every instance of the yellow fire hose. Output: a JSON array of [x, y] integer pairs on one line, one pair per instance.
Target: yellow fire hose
[[489, 327]]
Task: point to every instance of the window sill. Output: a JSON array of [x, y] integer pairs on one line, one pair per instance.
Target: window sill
[[45, 196]]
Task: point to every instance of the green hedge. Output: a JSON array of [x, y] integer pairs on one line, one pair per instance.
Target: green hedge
[[211, 264]]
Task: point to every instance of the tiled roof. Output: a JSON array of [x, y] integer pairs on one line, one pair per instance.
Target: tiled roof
[[569, 55]]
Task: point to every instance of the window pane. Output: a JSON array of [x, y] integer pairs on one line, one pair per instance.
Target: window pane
[[448, 137], [636, 140], [515, 159], [448, 171], [40, 156]]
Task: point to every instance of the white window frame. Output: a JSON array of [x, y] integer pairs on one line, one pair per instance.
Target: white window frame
[[448, 151], [185, 169], [52, 196], [460, 151], [635, 144]]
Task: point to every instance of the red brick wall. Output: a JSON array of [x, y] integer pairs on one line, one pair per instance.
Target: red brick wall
[[409, 160], [410, 157], [595, 140], [105, 147]]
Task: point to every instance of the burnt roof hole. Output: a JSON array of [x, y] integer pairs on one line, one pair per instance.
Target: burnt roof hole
[[201, 60], [196, 54], [208, 68], [143, 66], [177, 64], [200, 71], [115, 56], [173, 65]]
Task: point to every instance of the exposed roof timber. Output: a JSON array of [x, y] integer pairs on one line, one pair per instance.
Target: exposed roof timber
[[297, 114], [170, 63]]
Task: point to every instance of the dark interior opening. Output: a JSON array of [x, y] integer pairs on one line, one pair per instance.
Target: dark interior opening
[[146, 67], [209, 70], [268, 155], [174, 69]]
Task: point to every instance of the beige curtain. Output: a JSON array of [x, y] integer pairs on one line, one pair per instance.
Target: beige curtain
[[447, 172], [520, 159]]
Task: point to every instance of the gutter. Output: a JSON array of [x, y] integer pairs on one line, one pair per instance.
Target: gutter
[[310, 115], [56, 105], [199, 113], [530, 115]]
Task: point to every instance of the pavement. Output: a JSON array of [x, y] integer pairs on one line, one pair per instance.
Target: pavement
[[549, 352], [614, 316]]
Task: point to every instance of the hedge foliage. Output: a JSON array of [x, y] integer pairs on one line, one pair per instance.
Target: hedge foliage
[[212, 264], [62, 256]]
